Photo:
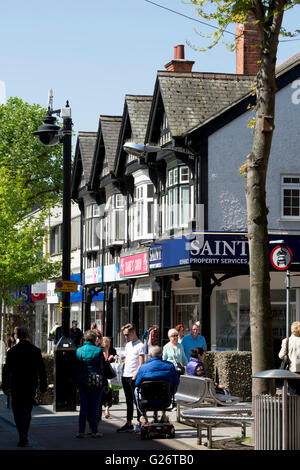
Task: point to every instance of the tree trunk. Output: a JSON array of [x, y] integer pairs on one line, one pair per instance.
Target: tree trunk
[[257, 164]]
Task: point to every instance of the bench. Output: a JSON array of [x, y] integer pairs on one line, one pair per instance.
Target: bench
[[214, 416], [195, 391]]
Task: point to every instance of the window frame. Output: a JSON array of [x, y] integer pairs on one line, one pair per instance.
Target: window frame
[[289, 186]]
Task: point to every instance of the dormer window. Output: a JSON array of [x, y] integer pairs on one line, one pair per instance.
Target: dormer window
[[165, 134]]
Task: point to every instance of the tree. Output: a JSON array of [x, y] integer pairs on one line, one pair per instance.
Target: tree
[[268, 15], [30, 185]]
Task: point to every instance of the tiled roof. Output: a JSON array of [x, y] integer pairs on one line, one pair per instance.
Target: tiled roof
[[138, 110], [110, 127], [191, 98], [87, 144]]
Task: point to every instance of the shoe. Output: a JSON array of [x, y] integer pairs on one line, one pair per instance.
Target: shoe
[[80, 435], [106, 415], [97, 435], [126, 428], [23, 443], [138, 427]]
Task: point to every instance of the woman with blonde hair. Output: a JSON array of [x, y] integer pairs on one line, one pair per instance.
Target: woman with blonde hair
[[291, 346], [173, 351]]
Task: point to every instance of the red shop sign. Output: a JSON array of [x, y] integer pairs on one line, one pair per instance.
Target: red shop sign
[[134, 265]]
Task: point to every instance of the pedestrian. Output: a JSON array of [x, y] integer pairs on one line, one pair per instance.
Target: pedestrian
[[193, 340], [13, 339], [197, 368], [58, 334], [293, 352], [156, 369], [23, 371], [174, 352], [110, 355], [180, 329], [76, 334], [91, 363], [134, 358]]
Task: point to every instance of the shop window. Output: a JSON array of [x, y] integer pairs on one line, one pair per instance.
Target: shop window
[[290, 196], [187, 310], [232, 327]]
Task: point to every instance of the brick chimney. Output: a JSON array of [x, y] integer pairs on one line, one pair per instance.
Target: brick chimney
[[179, 64], [247, 55]]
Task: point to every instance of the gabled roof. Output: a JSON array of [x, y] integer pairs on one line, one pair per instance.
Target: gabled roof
[[106, 146], [84, 155], [134, 124], [110, 128], [286, 73], [190, 98]]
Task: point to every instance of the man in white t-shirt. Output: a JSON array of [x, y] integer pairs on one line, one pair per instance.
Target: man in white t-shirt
[[134, 358]]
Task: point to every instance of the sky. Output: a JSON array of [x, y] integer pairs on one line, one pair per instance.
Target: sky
[[93, 52]]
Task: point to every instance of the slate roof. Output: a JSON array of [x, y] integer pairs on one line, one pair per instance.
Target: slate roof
[[138, 110], [110, 128], [87, 144], [191, 98]]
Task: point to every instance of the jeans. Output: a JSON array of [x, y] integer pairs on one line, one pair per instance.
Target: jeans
[[129, 386], [89, 408]]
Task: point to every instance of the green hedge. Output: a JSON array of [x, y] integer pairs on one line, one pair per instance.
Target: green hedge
[[233, 369]]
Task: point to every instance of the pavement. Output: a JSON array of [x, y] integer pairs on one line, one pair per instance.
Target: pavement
[[56, 431]]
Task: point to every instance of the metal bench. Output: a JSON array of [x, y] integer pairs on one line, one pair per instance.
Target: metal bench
[[195, 391], [214, 416]]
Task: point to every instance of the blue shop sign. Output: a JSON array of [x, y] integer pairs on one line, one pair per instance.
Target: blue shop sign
[[77, 296], [25, 293], [212, 248]]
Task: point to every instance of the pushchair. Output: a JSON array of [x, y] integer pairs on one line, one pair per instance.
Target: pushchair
[[154, 395]]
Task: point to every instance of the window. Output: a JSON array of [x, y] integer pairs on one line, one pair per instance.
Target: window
[[75, 233], [56, 240], [165, 134], [142, 212], [178, 207], [290, 196], [116, 229], [92, 228]]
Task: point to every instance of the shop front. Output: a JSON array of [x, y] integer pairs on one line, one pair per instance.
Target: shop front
[[142, 295], [211, 284]]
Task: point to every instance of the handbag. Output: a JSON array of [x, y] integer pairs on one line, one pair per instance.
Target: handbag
[[180, 368], [285, 363], [109, 372]]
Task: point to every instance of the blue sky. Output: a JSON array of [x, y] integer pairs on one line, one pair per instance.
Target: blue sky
[[94, 52]]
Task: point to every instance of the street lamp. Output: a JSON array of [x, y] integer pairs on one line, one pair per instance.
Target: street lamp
[[51, 134]]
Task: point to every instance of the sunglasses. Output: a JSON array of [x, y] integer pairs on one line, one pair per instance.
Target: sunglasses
[[174, 336]]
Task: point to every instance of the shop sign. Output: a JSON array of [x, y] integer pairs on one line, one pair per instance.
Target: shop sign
[[111, 273], [134, 265], [215, 249], [52, 297], [142, 291], [93, 275]]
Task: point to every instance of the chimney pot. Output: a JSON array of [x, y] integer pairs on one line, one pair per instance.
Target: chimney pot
[[179, 64]]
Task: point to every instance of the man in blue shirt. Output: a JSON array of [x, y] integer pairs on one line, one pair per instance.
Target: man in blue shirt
[[193, 340], [157, 369]]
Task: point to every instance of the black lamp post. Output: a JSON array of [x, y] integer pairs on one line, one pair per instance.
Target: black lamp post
[[51, 134]]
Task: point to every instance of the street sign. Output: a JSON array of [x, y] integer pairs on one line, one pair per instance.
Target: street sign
[[281, 257], [66, 286]]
